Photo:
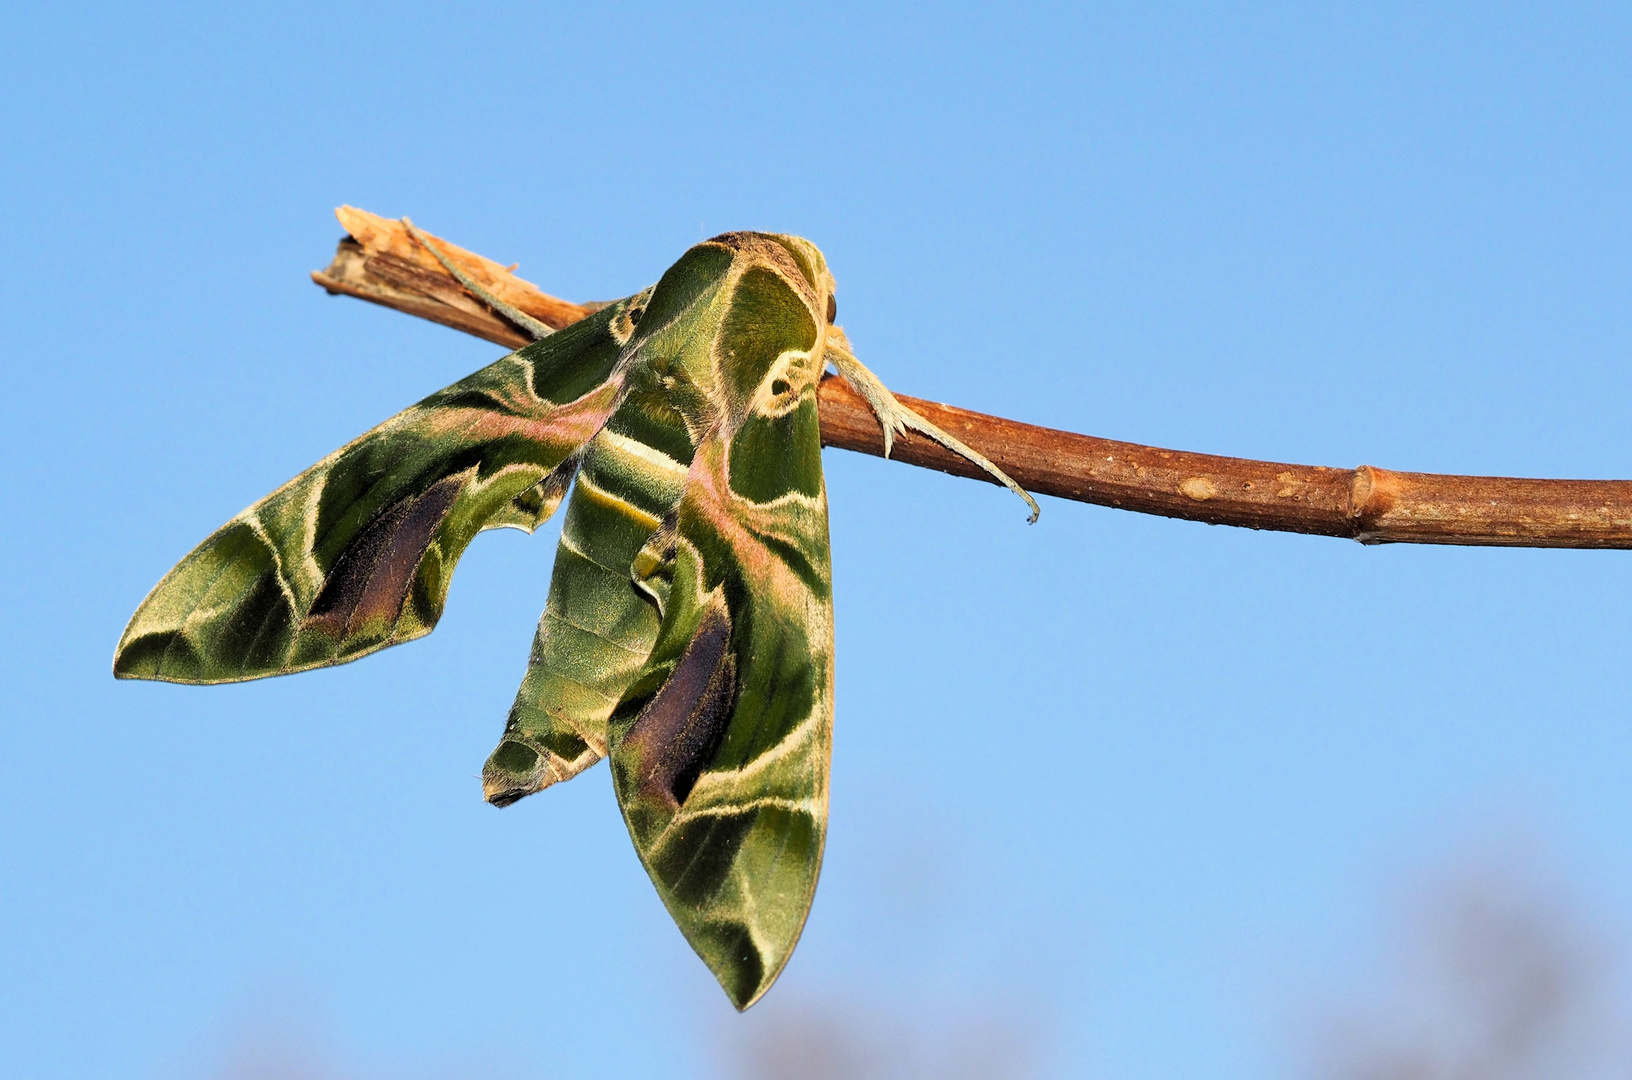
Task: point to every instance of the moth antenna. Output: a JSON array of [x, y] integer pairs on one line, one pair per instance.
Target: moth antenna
[[895, 417], [520, 318]]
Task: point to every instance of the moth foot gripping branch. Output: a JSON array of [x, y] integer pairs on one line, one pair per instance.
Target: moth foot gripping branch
[[896, 418]]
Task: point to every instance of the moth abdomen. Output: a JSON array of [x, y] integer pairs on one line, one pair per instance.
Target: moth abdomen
[[606, 593], [522, 765]]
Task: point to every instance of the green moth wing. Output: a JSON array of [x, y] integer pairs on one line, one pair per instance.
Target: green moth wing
[[720, 747], [357, 552], [597, 628], [599, 623]]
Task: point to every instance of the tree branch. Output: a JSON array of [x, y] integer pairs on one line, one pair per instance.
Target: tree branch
[[380, 263]]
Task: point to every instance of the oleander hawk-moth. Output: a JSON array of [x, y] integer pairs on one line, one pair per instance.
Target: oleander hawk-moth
[[688, 632]]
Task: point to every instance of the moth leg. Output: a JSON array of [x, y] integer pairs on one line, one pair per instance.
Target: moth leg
[[520, 318], [895, 417]]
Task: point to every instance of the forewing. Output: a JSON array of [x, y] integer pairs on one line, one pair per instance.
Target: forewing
[[720, 747], [356, 553]]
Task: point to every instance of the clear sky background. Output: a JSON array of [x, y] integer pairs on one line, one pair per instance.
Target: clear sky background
[[1113, 796]]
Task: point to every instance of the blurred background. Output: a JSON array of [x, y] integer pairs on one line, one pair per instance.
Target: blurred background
[[1113, 796]]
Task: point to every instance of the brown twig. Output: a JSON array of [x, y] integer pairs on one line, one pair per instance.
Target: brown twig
[[379, 262]]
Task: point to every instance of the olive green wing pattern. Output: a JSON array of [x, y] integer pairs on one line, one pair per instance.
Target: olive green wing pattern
[[357, 552], [720, 747], [688, 632], [598, 628], [599, 623]]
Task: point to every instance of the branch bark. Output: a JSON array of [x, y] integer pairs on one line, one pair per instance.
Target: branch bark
[[379, 262]]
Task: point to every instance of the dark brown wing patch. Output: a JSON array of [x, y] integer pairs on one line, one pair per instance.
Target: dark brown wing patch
[[370, 581], [676, 735]]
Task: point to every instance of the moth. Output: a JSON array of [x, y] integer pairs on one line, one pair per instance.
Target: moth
[[688, 630]]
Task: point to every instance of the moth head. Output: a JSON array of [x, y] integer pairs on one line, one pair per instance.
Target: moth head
[[799, 260], [813, 266]]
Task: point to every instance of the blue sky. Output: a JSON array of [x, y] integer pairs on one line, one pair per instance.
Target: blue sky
[[1135, 796]]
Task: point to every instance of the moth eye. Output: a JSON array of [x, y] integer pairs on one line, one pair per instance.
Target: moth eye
[[634, 315], [832, 308], [780, 386]]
